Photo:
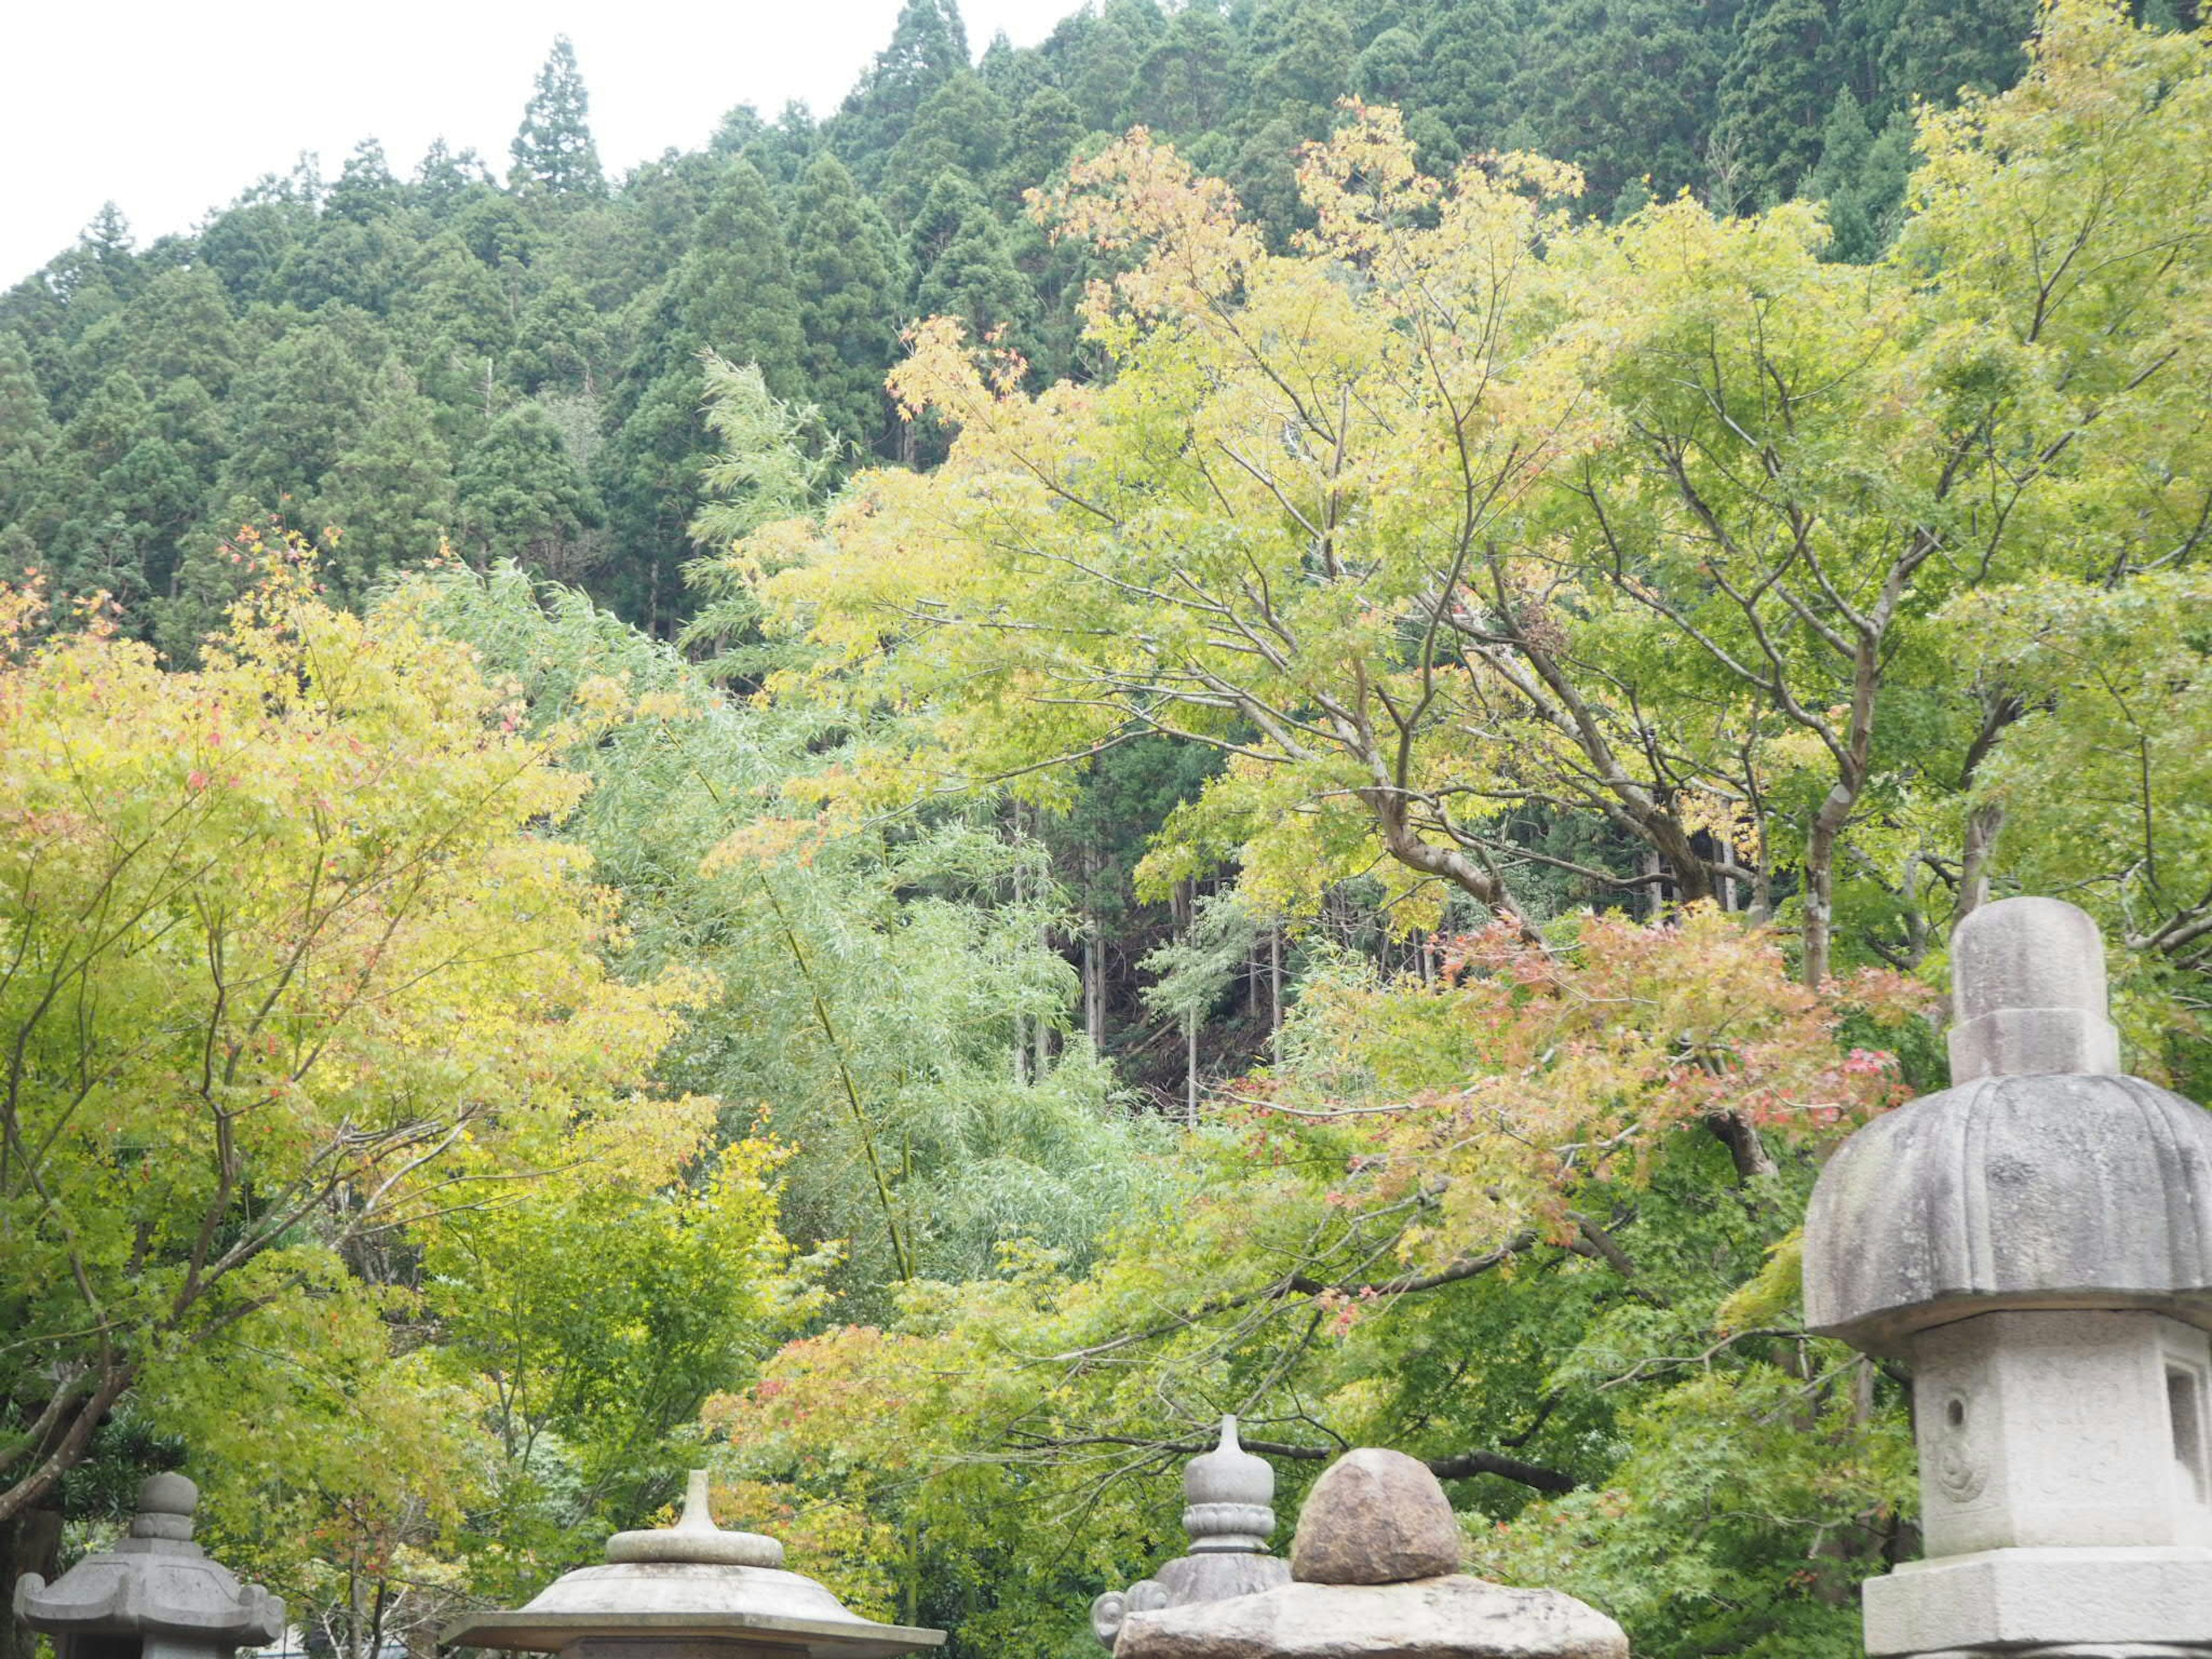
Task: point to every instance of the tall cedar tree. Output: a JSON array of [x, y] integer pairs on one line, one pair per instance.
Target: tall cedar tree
[[844, 265], [553, 152]]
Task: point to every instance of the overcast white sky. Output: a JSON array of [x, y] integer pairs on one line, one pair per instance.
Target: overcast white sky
[[172, 109]]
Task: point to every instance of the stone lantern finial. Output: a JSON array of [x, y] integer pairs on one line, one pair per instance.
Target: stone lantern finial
[[2028, 992], [1229, 1498]]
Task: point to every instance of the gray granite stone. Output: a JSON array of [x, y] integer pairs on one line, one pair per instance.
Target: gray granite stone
[[2046, 1191], [1375, 1517], [1228, 1498], [1454, 1617], [156, 1586], [691, 1591]]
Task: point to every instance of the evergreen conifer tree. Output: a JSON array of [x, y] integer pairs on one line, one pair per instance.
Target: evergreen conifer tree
[[553, 152], [390, 494], [520, 494], [734, 290], [850, 298]]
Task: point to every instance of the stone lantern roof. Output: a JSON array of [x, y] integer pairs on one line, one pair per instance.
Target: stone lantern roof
[[2042, 1179], [692, 1587], [156, 1582]]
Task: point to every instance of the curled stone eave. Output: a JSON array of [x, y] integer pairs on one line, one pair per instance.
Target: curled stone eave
[[2050, 1190]]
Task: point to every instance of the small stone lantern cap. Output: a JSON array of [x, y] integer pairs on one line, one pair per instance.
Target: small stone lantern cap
[[681, 1591], [156, 1582], [2042, 1179]]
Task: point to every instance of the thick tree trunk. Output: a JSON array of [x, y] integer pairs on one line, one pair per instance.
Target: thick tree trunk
[[32, 1542]]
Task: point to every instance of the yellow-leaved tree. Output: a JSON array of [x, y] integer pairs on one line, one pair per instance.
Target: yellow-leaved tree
[[290, 985]]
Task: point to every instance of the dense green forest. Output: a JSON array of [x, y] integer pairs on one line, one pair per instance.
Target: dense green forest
[[510, 361], [1278, 707]]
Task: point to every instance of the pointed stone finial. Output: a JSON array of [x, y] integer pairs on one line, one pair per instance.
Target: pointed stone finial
[[2028, 994], [1228, 1496], [695, 1538]]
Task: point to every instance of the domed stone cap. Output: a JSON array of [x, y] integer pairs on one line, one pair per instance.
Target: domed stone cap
[[695, 1538], [2044, 1179], [156, 1581], [691, 1583], [2013, 1192], [1375, 1517]]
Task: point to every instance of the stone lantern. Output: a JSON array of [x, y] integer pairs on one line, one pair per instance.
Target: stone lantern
[[1228, 1498], [2036, 1240], [154, 1596], [689, 1591], [1375, 1574]]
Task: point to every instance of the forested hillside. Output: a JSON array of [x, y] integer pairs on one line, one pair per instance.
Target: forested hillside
[[1277, 708], [505, 356]]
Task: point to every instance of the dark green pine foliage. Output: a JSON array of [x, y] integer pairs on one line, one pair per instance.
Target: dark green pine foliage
[[967, 270], [1117, 44], [1044, 133], [521, 496], [553, 154], [1775, 100], [27, 429], [962, 125], [1934, 48], [291, 414], [1191, 81], [851, 298], [928, 46], [366, 189], [1862, 177], [389, 495], [732, 291], [1626, 88]]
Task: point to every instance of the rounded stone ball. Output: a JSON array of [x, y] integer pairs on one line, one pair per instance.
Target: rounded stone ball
[[167, 1494], [1375, 1517]]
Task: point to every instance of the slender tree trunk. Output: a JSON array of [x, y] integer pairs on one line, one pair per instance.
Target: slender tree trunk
[[1820, 878], [1190, 1069], [1983, 824], [1275, 978]]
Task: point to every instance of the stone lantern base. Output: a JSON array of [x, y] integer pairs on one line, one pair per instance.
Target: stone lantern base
[[2109, 1603]]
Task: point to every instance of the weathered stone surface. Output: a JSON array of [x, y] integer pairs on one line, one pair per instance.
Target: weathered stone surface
[[1455, 1617], [2037, 1601], [1229, 1511], [1375, 1517], [2073, 1429], [2028, 992], [2014, 1192], [157, 1584], [684, 1592]]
